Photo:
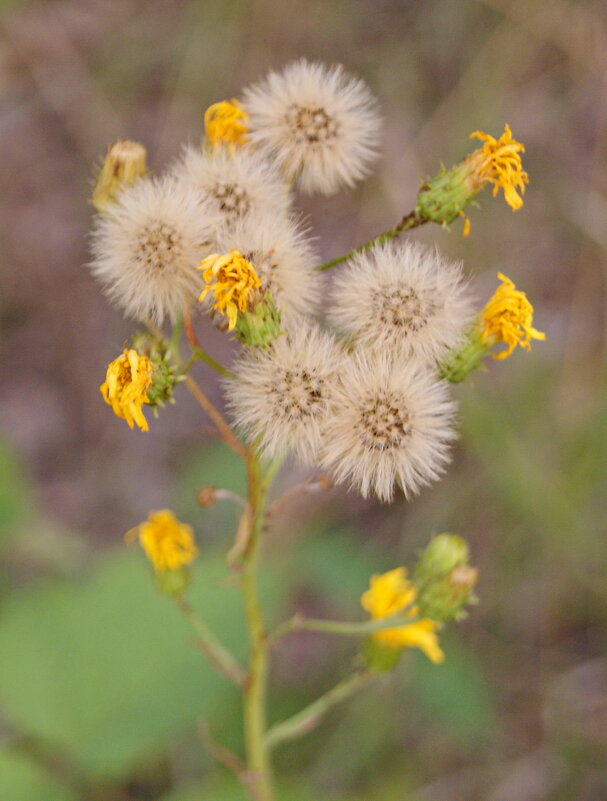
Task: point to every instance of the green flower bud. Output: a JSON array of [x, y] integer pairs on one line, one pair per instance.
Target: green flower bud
[[444, 579], [260, 324]]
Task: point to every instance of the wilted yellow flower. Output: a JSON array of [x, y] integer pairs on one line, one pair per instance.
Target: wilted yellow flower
[[235, 278], [124, 163], [390, 593], [225, 123], [168, 543], [508, 318], [126, 385], [498, 162]]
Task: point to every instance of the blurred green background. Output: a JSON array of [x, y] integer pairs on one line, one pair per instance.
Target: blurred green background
[[101, 692]]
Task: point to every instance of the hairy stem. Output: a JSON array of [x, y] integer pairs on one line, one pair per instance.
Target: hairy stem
[[222, 426], [255, 690], [409, 221], [340, 627], [311, 716]]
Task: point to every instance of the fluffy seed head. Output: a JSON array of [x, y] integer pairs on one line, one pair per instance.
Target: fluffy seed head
[[147, 245], [402, 295], [390, 423], [282, 257], [238, 184], [281, 395], [319, 123]]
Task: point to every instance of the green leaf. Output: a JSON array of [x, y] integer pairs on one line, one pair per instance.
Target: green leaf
[[106, 668], [20, 780]]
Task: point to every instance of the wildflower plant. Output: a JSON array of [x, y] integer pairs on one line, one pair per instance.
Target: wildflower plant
[[365, 396]]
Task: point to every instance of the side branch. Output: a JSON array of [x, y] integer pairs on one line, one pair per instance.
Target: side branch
[[311, 716], [217, 654], [414, 219], [344, 628], [222, 426]]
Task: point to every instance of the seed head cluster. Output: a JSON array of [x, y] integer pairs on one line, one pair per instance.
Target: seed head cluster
[[360, 395]]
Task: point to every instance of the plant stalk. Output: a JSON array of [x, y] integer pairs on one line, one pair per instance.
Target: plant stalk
[[255, 689], [409, 221]]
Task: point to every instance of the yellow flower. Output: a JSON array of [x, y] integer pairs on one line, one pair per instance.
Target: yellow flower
[[126, 385], [508, 318], [168, 544], [225, 123], [390, 593], [235, 279], [498, 162]]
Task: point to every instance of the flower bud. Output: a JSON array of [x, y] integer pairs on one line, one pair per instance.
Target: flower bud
[[124, 163], [206, 497], [444, 579]]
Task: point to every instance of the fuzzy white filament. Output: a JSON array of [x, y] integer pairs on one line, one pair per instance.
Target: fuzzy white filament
[[402, 295], [238, 184], [147, 245], [280, 396], [320, 124], [390, 424]]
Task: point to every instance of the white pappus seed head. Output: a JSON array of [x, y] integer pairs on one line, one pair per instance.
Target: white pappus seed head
[[238, 184], [390, 424], [320, 124], [402, 295], [280, 396], [282, 257], [146, 248]]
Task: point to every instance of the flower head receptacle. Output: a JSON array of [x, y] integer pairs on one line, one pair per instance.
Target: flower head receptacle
[[498, 163], [124, 163], [225, 124], [445, 579], [389, 594]]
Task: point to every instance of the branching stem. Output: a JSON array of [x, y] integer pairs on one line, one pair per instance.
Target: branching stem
[[409, 221]]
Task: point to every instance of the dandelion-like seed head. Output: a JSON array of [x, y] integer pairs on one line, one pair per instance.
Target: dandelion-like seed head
[[498, 162], [238, 185], [319, 124], [225, 123], [508, 318], [405, 296], [390, 424], [167, 543], [126, 385], [281, 396], [148, 244], [390, 593], [232, 280], [282, 257]]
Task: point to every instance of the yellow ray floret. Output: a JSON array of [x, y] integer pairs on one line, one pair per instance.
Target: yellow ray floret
[[508, 318], [225, 123], [235, 279], [498, 162], [168, 543], [126, 385], [390, 593]]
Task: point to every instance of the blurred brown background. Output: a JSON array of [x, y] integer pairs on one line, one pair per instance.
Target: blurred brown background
[[521, 713]]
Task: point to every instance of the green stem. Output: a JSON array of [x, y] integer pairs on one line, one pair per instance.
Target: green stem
[[344, 628], [409, 221], [217, 654], [310, 717], [255, 690]]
